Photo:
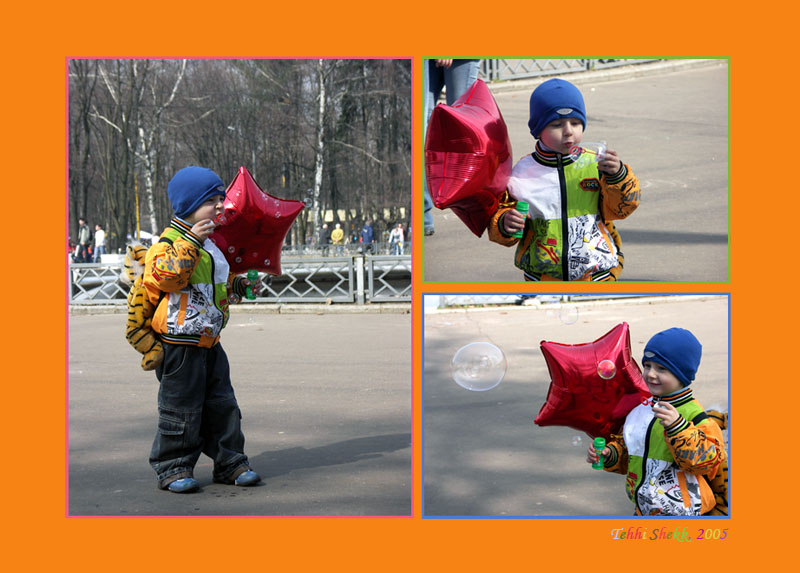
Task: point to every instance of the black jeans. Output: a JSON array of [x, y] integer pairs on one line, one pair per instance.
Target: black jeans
[[197, 413]]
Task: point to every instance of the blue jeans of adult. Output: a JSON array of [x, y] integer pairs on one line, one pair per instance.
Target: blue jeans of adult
[[83, 255], [457, 79], [197, 413], [99, 251]]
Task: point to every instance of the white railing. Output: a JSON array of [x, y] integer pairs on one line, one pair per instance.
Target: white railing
[[513, 69], [345, 279]]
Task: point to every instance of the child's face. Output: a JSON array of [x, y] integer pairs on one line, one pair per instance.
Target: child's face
[[209, 209], [660, 381], [561, 134]]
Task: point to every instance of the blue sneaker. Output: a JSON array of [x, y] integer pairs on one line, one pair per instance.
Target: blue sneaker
[[183, 485], [247, 478]]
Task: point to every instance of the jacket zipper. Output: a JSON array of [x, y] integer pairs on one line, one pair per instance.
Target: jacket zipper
[[562, 183], [213, 279], [644, 464]]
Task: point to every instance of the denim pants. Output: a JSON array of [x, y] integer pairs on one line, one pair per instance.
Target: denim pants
[[458, 78], [197, 413]]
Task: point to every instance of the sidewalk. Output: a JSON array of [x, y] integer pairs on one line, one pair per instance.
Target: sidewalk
[[326, 406]]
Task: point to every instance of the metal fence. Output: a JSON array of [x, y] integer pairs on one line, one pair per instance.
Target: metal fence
[[510, 69], [345, 279], [386, 278]]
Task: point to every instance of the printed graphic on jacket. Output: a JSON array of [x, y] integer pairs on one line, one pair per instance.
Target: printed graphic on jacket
[[590, 248], [665, 489], [192, 311]]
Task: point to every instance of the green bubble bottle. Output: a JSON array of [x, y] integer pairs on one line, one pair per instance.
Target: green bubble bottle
[[252, 276], [522, 207], [599, 446]]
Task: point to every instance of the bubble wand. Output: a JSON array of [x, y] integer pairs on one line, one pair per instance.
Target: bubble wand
[[587, 153]]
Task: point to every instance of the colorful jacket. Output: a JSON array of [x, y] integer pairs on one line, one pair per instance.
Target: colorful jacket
[[189, 281], [568, 233], [668, 469]]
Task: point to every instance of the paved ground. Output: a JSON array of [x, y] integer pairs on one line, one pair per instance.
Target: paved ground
[[326, 403], [483, 455], [672, 129]]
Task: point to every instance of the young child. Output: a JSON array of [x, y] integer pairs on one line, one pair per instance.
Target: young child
[[188, 278], [568, 234], [670, 451]]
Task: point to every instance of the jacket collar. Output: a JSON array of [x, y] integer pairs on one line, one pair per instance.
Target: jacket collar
[[678, 398], [549, 158], [185, 230]]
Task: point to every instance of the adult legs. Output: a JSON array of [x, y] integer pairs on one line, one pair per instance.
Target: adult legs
[[457, 79]]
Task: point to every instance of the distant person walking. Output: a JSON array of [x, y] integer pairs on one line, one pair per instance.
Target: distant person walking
[[99, 243], [338, 239], [367, 236], [324, 239], [396, 239], [84, 239]]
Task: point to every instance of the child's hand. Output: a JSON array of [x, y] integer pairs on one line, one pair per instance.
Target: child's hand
[[203, 228], [591, 454], [444, 63], [512, 221], [666, 413], [610, 162], [255, 286]]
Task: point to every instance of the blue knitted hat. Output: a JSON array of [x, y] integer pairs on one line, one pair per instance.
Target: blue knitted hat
[[676, 349], [555, 99], [190, 187]]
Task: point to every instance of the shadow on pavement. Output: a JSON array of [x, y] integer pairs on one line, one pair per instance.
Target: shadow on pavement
[[638, 236], [272, 464]]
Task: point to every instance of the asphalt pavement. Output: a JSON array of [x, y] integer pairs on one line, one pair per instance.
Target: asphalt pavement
[[326, 413], [482, 453], [670, 124]]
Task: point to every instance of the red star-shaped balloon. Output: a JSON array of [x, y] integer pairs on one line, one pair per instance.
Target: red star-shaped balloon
[[468, 157], [251, 231], [580, 396]]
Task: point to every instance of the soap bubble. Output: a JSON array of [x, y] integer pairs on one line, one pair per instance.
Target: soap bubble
[[478, 366], [577, 441], [231, 249], [266, 262], [606, 369], [569, 314]]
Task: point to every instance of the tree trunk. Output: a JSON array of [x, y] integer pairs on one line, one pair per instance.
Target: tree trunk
[[318, 163]]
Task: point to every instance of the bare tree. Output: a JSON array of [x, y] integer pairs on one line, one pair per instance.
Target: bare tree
[[340, 128], [82, 83]]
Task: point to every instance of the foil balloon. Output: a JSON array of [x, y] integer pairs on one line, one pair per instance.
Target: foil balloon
[[253, 226], [468, 157], [579, 396]]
